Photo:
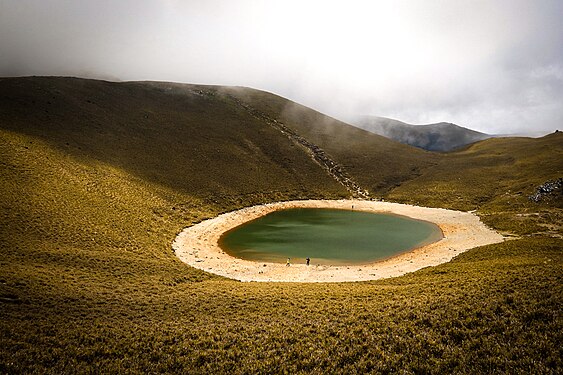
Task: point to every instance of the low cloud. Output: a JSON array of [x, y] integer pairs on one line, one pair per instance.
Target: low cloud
[[494, 66]]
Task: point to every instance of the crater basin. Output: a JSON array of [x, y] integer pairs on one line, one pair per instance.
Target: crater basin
[[327, 236]]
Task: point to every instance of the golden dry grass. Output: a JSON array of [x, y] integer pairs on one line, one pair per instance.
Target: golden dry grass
[[89, 283]]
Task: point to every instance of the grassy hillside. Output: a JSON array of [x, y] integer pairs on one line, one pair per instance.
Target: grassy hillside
[[184, 137], [88, 282], [366, 156], [495, 177]]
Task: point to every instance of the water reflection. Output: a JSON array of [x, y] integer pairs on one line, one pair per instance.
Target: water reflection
[[327, 236]]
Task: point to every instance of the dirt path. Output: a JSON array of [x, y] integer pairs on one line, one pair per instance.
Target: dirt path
[[198, 245]]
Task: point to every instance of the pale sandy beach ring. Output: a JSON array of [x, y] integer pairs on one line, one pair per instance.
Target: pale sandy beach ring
[[198, 245]]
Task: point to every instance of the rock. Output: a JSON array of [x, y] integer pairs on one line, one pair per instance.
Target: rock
[[547, 190]]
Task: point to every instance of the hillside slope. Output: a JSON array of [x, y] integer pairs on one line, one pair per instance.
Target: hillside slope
[[377, 163], [182, 136], [492, 171], [497, 177], [442, 136]]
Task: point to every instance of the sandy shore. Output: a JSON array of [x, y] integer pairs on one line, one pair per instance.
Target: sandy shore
[[198, 245]]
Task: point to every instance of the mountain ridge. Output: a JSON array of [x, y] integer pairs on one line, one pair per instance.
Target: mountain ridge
[[442, 136]]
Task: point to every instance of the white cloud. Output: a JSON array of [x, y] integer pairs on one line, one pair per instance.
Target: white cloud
[[489, 65]]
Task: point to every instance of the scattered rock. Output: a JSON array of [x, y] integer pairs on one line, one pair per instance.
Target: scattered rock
[[550, 189]]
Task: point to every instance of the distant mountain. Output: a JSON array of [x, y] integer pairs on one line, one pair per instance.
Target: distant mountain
[[442, 136]]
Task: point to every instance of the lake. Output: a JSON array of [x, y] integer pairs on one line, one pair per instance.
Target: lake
[[327, 236]]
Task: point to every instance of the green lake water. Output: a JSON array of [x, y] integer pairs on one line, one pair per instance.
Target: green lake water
[[327, 236]]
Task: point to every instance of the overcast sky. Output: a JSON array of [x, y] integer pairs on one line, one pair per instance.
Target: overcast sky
[[493, 66]]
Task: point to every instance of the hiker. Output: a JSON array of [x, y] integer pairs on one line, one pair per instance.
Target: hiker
[[308, 260], [288, 264]]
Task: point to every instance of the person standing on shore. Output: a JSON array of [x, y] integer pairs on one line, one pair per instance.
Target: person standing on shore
[[308, 260], [288, 262]]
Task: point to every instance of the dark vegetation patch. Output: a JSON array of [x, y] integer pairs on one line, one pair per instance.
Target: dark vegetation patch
[[92, 199]]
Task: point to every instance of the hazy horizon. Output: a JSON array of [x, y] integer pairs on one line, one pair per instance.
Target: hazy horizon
[[491, 66]]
